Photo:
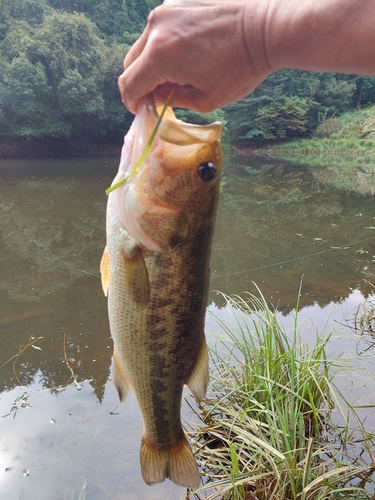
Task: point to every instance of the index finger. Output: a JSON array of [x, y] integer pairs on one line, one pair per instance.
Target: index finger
[[136, 49], [140, 77]]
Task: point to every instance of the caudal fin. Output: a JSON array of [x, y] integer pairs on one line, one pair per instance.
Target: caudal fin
[[177, 464]]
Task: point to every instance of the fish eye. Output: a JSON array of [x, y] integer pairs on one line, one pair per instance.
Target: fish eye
[[207, 171]]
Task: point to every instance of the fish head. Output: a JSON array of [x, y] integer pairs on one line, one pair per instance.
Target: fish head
[[175, 190], [186, 167]]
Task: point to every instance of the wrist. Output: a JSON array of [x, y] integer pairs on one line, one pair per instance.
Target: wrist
[[301, 35], [321, 35], [255, 22]]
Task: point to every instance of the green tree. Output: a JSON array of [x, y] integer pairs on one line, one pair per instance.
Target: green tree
[[31, 11], [59, 79], [122, 20], [285, 118], [364, 93], [24, 97], [69, 53], [318, 95]]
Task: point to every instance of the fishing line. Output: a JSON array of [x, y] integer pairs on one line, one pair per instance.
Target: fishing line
[[292, 260]]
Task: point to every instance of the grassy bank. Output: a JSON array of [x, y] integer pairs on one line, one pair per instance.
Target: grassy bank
[[268, 430], [351, 135]]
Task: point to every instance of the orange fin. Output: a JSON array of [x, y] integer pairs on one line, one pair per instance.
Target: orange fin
[[198, 380], [104, 271], [120, 378], [177, 464]]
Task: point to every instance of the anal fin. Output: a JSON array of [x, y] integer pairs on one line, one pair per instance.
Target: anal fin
[[199, 378], [120, 378]]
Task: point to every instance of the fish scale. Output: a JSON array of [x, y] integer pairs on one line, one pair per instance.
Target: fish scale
[[155, 269]]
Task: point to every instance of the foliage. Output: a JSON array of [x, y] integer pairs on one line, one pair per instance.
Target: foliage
[[268, 430], [190, 116], [123, 20], [58, 78], [284, 118], [347, 139], [364, 90], [290, 103], [69, 53]]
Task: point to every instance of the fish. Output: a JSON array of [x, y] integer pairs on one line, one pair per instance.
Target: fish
[[155, 271]]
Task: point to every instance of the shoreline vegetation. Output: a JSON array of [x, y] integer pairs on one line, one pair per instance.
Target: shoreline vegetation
[[275, 425], [60, 62], [350, 136]]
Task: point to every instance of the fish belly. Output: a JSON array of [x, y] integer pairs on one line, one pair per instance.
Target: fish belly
[[159, 346]]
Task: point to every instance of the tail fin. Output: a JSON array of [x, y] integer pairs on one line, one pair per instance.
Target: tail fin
[[177, 464]]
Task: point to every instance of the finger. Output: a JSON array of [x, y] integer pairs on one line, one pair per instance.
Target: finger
[[184, 96], [136, 50], [138, 80], [138, 47]]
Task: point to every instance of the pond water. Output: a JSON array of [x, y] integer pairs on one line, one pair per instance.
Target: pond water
[[276, 223]]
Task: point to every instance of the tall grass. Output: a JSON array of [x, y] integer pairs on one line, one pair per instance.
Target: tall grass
[[267, 431]]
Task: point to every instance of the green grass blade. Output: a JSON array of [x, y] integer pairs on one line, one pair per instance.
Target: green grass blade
[[145, 151]]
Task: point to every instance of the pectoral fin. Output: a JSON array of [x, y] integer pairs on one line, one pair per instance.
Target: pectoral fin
[[136, 276], [168, 231], [104, 271], [198, 380]]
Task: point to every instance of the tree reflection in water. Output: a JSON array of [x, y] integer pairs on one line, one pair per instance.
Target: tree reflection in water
[[276, 222]]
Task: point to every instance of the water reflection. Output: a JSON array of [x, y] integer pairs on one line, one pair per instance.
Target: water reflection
[[276, 222], [52, 236]]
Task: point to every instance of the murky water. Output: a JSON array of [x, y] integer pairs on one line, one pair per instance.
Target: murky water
[[276, 223]]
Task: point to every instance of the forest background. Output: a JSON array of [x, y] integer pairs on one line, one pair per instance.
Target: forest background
[[60, 60]]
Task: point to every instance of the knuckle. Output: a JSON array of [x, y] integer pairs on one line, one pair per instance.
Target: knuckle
[[158, 42], [155, 16]]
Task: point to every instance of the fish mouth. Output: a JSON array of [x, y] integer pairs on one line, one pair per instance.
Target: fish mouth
[[177, 132]]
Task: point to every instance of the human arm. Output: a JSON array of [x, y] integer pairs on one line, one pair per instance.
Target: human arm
[[322, 35], [214, 52]]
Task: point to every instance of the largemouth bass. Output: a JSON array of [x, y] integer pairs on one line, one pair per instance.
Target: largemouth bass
[[155, 269]]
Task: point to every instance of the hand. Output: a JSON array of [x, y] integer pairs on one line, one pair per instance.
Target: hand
[[214, 52], [200, 49]]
